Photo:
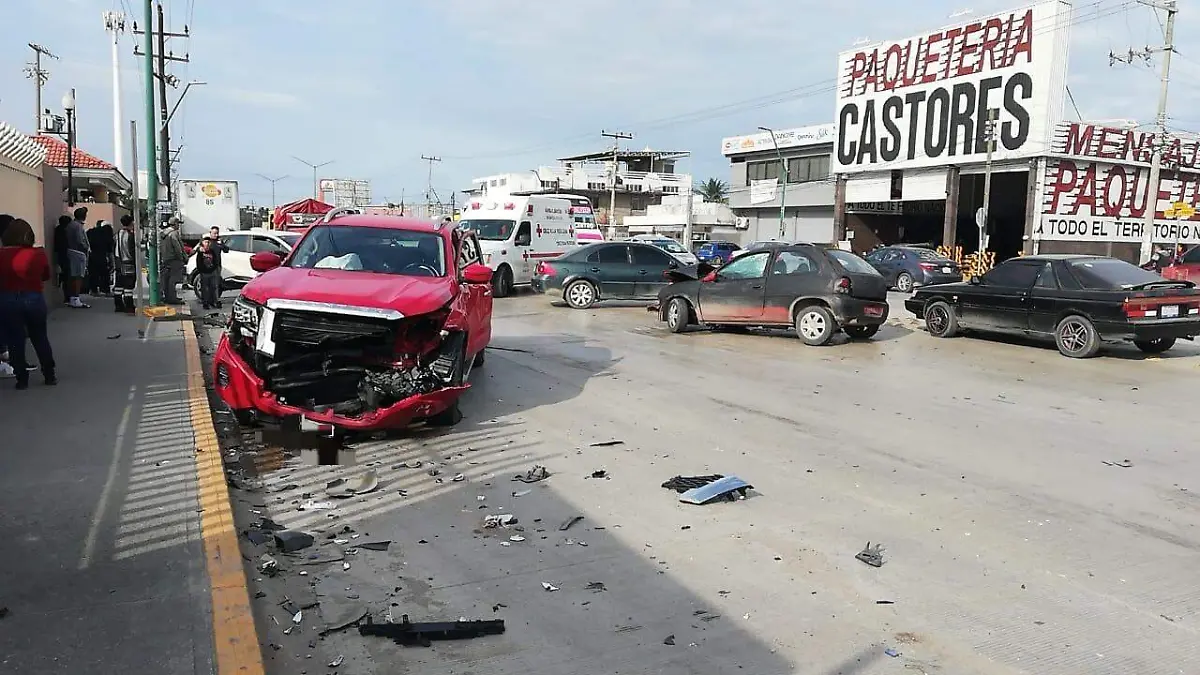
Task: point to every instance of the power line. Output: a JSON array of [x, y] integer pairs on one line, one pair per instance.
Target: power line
[[1071, 98]]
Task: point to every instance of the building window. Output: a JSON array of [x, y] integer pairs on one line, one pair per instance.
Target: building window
[[806, 169], [762, 171], [897, 184], [599, 187], [671, 189], [503, 181], [634, 187]]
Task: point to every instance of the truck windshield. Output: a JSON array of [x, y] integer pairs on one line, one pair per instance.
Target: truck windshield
[[371, 249], [490, 230]]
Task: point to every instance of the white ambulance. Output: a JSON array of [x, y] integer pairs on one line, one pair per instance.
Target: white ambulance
[[516, 233]]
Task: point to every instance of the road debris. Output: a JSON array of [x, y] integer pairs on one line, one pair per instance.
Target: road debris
[[312, 505], [670, 640], [574, 542], [549, 587], [569, 523], [298, 616], [414, 464], [290, 541], [340, 488], [597, 587], [891, 652], [344, 619], [606, 444], [458, 478], [268, 565], [600, 473], [885, 602], [871, 555], [376, 545], [729, 488], [537, 473], [338, 661], [502, 520], [521, 493], [345, 567], [407, 633], [1124, 463], [517, 538], [682, 484]]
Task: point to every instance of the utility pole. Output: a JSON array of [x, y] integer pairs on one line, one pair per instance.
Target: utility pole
[[138, 225], [151, 170], [114, 23], [783, 179], [617, 136], [314, 167], [982, 216], [165, 79], [1160, 134], [429, 185], [687, 217], [272, 181], [39, 75]]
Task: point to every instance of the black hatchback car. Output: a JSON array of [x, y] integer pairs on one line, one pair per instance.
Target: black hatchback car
[[818, 290], [1079, 301], [623, 270]]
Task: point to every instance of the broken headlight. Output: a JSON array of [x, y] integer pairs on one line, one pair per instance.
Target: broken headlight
[[245, 315]]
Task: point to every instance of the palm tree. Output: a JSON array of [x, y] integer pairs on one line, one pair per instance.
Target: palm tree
[[714, 190]]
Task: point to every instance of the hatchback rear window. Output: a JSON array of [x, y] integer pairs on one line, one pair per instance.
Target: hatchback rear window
[[851, 263]]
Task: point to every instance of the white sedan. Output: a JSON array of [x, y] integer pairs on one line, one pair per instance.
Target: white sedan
[[240, 245], [672, 247]]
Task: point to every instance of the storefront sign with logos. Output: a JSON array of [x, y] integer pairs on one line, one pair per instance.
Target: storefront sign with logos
[[925, 101], [786, 138], [1126, 146], [1085, 200], [877, 208]]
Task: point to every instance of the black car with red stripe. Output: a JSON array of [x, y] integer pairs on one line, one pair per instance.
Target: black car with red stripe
[[818, 290], [1079, 301]]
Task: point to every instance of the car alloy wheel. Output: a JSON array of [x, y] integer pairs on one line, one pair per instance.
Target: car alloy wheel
[[581, 295], [937, 319], [904, 282], [1077, 338], [677, 315]]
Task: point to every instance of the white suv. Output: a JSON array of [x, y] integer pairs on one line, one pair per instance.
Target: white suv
[[235, 262]]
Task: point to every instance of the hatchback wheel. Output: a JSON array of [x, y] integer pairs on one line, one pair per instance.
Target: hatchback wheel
[[580, 294], [1155, 346], [941, 320], [815, 325], [904, 282], [1076, 337], [677, 315]]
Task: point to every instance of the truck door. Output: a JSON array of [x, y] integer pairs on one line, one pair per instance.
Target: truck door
[[523, 246]]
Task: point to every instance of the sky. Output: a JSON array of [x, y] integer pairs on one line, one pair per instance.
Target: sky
[[491, 87]]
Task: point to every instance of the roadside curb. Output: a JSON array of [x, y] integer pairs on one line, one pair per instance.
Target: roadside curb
[[235, 637]]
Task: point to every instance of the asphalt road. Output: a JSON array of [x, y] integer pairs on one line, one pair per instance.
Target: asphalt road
[[987, 469]]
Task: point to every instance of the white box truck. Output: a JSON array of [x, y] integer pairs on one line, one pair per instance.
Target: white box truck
[[201, 204], [516, 233]]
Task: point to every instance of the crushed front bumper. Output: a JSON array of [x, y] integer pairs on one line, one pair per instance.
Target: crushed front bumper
[[241, 389]]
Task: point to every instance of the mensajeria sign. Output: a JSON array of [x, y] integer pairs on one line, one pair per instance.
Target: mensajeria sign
[[1087, 196], [924, 101]]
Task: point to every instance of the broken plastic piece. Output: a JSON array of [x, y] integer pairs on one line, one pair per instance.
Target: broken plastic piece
[[682, 484], [312, 505], [502, 520], [670, 640], [871, 555], [597, 587], [729, 487], [569, 523], [338, 661], [268, 565], [290, 541], [458, 478], [549, 586], [598, 473], [298, 616], [345, 566], [605, 444], [408, 634], [891, 652], [342, 489], [517, 538], [537, 473], [1124, 463], [376, 545]]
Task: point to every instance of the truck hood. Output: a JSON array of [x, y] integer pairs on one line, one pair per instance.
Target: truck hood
[[410, 296]]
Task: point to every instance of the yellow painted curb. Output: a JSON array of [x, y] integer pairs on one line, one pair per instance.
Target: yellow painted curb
[[235, 638], [158, 311]]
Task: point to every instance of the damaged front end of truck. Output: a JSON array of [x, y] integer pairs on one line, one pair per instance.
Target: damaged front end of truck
[[347, 366]]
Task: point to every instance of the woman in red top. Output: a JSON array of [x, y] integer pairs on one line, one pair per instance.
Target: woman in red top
[[23, 271]]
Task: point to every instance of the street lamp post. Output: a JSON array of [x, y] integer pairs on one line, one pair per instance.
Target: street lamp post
[[68, 104], [189, 85], [314, 167], [272, 181], [783, 177]]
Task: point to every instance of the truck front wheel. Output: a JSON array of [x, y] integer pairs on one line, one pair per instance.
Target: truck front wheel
[[502, 282]]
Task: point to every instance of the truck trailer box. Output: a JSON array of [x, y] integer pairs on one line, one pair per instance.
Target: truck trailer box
[[201, 204]]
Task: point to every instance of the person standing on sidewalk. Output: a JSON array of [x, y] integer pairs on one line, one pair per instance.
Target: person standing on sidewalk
[[209, 270], [100, 243], [78, 250], [125, 258], [172, 262], [62, 260], [24, 269], [218, 248]]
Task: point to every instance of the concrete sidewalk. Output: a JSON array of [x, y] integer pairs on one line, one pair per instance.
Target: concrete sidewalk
[[110, 519]]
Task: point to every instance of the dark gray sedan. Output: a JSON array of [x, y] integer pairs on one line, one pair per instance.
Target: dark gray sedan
[[906, 267]]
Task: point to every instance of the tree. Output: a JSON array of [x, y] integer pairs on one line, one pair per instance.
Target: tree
[[714, 190]]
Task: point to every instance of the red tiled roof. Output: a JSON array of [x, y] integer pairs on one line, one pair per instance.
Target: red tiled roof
[[56, 155]]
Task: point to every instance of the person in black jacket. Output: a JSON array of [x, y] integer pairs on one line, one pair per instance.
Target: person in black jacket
[[210, 273], [61, 258]]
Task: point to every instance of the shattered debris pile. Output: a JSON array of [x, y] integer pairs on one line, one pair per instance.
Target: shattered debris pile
[[705, 489]]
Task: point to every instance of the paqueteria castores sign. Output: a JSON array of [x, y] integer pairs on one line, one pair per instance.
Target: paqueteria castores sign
[[924, 101], [1096, 186]]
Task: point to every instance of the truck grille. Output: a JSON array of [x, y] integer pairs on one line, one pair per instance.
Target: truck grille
[[311, 329]]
